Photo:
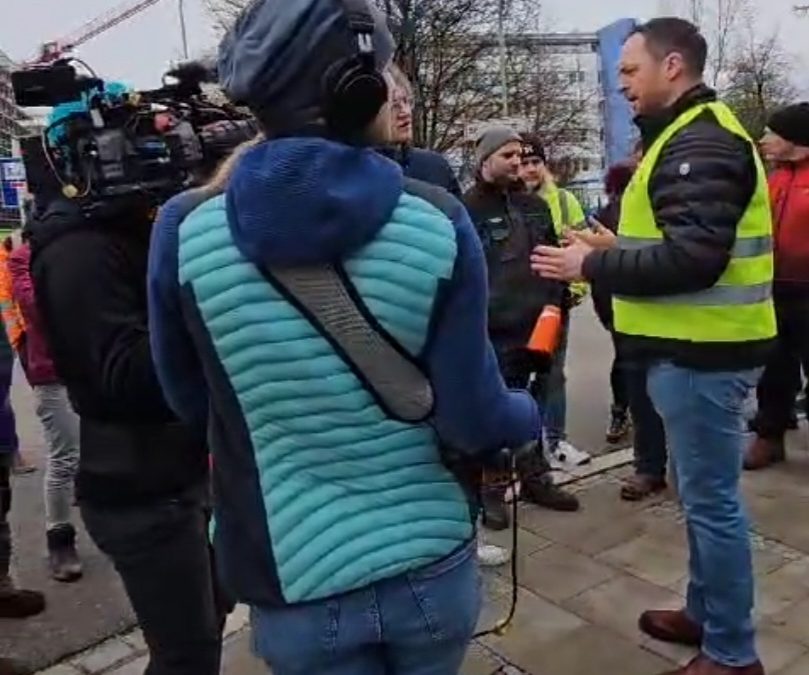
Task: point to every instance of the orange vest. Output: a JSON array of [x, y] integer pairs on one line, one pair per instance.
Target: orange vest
[[12, 317]]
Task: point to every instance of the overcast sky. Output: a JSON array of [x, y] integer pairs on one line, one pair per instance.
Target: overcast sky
[[138, 51]]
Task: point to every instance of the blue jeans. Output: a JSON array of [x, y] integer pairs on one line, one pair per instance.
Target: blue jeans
[[414, 624], [703, 417], [554, 388]]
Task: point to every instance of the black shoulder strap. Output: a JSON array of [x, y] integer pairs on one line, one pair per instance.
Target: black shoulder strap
[[437, 196], [326, 297]]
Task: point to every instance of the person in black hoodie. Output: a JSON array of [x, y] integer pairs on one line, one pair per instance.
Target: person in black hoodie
[[615, 182], [510, 222], [628, 376], [142, 483]]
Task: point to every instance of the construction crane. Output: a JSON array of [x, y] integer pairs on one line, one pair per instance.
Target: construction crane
[[56, 49]]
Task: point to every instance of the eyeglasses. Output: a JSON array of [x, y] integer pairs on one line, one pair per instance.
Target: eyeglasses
[[401, 102]]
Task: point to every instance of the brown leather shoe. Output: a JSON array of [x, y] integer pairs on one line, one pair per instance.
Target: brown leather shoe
[[671, 626], [764, 452], [702, 665]]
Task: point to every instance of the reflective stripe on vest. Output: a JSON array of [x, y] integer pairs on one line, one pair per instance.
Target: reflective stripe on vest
[[739, 307], [743, 248]]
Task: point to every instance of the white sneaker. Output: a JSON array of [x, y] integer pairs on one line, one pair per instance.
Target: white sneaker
[[492, 556], [564, 455], [513, 492]]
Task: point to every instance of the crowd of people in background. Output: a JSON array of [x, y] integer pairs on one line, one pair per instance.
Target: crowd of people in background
[[152, 348]]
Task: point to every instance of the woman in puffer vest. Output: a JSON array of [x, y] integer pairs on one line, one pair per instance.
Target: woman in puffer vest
[[337, 520]]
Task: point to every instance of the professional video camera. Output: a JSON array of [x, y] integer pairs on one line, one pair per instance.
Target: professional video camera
[[106, 142]]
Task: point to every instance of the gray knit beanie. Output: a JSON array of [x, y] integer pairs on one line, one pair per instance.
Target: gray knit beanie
[[491, 139]]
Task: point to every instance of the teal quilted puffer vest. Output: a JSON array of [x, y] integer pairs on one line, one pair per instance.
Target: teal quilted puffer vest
[[349, 496]]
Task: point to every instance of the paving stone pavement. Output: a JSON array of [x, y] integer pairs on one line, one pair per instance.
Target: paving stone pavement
[[584, 579]]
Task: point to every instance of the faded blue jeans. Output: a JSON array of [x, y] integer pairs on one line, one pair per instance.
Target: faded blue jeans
[[415, 624], [703, 416], [554, 388]]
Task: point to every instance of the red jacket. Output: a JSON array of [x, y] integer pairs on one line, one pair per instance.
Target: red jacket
[[789, 192], [34, 351]]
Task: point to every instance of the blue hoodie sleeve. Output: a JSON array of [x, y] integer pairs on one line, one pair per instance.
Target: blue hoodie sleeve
[[178, 366], [475, 412]]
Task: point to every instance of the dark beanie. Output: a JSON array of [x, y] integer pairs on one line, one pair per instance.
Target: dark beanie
[[274, 57], [792, 123], [532, 147]]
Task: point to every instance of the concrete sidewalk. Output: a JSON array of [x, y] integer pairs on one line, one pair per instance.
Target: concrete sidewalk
[[85, 614], [586, 577]]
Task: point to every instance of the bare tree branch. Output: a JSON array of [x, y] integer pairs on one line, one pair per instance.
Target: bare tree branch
[[759, 77], [448, 50]]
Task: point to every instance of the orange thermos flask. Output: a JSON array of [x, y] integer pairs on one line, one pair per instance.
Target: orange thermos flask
[[547, 331]]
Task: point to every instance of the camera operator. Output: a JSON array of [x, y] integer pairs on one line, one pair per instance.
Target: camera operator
[[143, 476]]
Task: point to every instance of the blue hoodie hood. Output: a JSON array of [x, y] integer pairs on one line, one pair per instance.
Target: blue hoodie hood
[[297, 201]]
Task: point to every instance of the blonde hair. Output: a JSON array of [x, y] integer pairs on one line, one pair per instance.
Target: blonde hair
[[401, 80], [218, 183]]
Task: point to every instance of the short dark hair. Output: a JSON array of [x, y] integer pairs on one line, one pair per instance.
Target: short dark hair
[[669, 34]]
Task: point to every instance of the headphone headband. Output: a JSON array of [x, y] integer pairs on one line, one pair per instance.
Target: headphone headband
[[354, 90], [362, 24]]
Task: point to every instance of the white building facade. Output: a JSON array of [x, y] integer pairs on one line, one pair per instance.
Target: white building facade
[[579, 143], [578, 110], [8, 110]]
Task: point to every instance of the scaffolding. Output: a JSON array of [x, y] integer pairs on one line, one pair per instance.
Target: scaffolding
[[8, 111], [9, 130]]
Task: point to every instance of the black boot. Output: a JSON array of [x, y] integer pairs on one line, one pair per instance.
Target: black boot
[[619, 425], [493, 503], [538, 487], [63, 560], [14, 604]]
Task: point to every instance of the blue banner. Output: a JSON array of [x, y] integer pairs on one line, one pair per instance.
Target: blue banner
[[12, 182], [619, 131]]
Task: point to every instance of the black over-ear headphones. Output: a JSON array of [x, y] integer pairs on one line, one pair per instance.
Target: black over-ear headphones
[[354, 91]]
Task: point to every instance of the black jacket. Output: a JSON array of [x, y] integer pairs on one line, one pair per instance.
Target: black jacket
[[510, 223], [700, 189], [425, 165], [608, 216], [90, 280]]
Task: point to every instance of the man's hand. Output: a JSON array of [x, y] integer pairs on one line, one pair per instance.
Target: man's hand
[[561, 264], [599, 237]]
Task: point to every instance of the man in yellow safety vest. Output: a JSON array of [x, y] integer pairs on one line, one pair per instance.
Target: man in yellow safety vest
[[691, 272]]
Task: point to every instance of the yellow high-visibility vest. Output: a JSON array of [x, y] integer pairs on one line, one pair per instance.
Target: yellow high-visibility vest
[[566, 213], [739, 307]]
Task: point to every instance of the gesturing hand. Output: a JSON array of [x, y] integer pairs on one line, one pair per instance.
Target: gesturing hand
[[598, 237], [561, 264]]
